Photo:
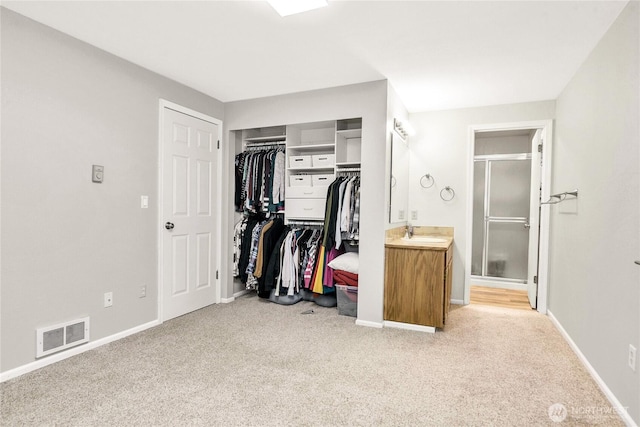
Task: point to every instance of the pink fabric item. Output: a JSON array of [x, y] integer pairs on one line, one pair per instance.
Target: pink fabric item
[[328, 271]]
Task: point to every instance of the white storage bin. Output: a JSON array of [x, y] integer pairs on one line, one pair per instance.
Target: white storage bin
[[323, 160], [322, 180], [299, 161], [300, 181]]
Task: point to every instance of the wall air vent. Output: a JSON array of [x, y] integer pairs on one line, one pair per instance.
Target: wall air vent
[[52, 339]]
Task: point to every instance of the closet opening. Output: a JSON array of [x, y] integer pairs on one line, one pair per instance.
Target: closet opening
[[296, 215]]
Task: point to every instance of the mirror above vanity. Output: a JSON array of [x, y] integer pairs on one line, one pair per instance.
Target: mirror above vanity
[[399, 177]]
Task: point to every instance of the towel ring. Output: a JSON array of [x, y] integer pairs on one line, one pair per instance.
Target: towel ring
[[393, 181], [429, 183], [448, 190]]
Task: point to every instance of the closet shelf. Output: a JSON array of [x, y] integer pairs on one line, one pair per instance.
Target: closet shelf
[[350, 133], [266, 138], [311, 146], [348, 164], [313, 168]]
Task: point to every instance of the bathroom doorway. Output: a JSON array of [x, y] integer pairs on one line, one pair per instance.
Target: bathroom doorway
[[506, 187]]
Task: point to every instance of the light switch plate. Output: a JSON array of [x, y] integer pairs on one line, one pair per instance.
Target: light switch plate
[[144, 202], [108, 299], [97, 174]]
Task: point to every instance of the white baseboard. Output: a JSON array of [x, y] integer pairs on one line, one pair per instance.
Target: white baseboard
[[41, 363], [369, 324], [457, 302], [409, 326], [240, 293], [615, 403], [498, 284], [233, 298]]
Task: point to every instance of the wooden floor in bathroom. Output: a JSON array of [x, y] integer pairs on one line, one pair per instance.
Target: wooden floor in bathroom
[[500, 297]]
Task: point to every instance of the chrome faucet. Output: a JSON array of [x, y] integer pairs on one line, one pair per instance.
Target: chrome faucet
[[408, 231]]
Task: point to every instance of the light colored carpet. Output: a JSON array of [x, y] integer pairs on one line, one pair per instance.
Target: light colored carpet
[[257, 363]]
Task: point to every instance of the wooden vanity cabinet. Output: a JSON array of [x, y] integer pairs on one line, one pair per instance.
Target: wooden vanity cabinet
[[417, 285]]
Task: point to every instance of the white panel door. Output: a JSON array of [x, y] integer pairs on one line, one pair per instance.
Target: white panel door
[[188, 216]]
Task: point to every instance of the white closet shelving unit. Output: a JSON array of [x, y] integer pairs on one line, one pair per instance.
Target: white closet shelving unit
[[315, 153], [348, 143], [310, 169]]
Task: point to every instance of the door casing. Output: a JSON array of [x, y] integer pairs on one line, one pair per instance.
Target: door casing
[[160, 222], [545, 175]]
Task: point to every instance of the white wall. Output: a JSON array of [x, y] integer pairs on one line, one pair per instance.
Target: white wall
[[594, 284], [66, 241], [441, 147], [367, 100]]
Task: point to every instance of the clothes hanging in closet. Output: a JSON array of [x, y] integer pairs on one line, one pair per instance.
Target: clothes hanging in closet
[[259, 181], [254, 243], [342, 211], [297, 259], [271, 256]]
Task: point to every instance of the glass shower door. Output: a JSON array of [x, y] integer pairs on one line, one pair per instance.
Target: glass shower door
[[500, 245]]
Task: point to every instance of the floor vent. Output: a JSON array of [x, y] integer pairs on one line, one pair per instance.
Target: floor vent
[[62, 336]]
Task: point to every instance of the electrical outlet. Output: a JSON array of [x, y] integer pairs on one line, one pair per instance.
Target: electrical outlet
[[414, 215], [632, 357], [108, 299], [143, 291]]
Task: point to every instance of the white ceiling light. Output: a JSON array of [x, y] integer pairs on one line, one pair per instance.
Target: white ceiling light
[[290, 7]]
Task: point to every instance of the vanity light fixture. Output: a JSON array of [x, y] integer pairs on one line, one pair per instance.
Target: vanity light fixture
[[290, 7], [403, 129]]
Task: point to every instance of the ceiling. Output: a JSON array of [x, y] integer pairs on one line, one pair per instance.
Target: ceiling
[[436, 54]]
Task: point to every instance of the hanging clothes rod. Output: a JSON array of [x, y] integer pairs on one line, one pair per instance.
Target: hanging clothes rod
[[316, 223], [263, 145], [560, 197]]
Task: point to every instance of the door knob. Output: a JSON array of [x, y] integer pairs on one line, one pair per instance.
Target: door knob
[[637, 262], [527, 225], [169, 226]]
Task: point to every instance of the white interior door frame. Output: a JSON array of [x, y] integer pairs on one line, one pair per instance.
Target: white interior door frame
[[545, 175], [160, 221]]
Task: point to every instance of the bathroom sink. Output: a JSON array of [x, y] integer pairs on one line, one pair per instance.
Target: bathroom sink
[[424, 239]]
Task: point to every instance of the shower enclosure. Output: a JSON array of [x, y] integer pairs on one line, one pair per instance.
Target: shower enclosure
[[504, 202]]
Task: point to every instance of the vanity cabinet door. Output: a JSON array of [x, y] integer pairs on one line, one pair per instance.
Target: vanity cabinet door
[[414, 291]]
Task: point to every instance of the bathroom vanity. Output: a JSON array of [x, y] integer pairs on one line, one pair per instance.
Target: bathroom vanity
[[417, 282]]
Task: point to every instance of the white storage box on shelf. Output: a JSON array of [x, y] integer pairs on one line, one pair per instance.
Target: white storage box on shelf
[[323, 160], [322, 180], [299, 162], [300, 180]]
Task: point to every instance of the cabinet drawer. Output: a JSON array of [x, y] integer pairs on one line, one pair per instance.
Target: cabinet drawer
[[307, 192], [305, 208]]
